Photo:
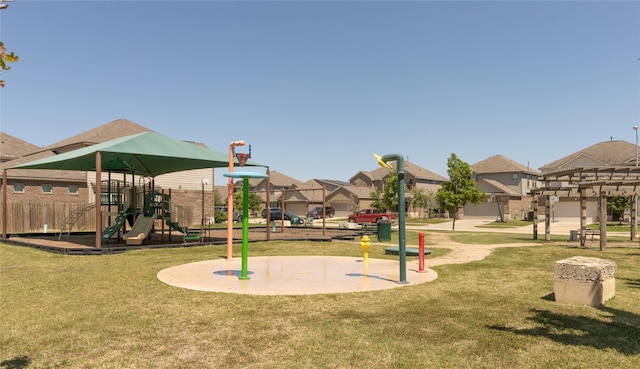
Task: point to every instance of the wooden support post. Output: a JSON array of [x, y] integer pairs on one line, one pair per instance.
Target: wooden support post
[[547, 218], [98, 199], [535, 215], [583, 215], [4, 203], [603, 220], [632, 217]]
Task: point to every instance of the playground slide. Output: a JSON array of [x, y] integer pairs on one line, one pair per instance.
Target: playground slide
[[118, 223], [140, 230]]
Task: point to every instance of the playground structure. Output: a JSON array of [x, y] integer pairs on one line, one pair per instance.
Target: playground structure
[[132, 213], [140, 230]]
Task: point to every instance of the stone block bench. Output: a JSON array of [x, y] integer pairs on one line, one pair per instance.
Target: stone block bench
[[584, 280]]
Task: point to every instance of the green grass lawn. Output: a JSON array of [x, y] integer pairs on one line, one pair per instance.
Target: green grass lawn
[[507, 224], [110, 311]]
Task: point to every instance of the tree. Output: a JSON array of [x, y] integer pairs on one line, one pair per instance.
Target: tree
[[390, 191], [388, 199], [4, 59], [255, 202], [423, 199], [618, 206], [460, 188], [378, 202], [217, 198]]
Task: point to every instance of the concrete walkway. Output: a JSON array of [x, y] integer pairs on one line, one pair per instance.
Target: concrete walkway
[[559, 227]]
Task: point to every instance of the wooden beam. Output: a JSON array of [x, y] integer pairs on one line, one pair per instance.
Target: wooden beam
[[98, 199]]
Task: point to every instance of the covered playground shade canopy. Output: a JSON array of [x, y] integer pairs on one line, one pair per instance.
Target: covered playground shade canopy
[[147, 154]]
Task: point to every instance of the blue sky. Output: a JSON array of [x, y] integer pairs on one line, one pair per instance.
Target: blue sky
[[317, 87]]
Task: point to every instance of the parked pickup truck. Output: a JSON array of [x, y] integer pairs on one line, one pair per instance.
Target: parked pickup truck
[[370, 215]]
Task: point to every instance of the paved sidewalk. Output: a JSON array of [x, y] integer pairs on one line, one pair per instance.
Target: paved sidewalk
[[560, 226]]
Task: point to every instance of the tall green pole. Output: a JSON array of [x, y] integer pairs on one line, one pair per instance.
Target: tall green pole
[[245, 214], [245, 227], [402, 242]]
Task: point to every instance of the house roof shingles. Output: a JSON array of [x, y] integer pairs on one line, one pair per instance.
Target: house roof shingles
[[106, 132], [614, 152], [409, 167], [500, 164]]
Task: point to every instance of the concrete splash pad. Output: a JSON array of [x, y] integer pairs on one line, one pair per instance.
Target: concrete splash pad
[[293, 275]]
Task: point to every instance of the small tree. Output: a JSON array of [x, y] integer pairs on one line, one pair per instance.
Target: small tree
[[217, 198], [390, 194], [460, 188], [378, 202], [618, 205], [255, 202], [388, 199], [423, 199]]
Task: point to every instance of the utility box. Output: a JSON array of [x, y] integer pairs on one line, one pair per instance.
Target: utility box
[[384, 229]]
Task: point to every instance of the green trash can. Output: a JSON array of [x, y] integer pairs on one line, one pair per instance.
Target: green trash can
[[384, 229]]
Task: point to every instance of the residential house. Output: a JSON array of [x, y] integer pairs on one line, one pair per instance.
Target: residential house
[[30, 192], [508, 187], [415, 177], [278, 182], [603, 154], [348, 199], [303, 197]]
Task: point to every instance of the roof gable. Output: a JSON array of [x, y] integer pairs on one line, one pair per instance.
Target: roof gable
[[500, 164], [106, 132], [12, 147], [493, 186], [276, 180], [355, 191], [607, 153], [366, 176], [409, 168]]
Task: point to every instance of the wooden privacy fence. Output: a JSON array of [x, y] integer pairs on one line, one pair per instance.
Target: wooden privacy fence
[[32, 217]]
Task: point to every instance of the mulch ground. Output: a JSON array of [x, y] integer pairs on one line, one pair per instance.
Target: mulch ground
[[85, 243]]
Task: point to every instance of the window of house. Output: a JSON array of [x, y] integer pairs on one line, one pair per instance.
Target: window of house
[[479, 177], [47, 188], [73, 189], [515, 176], [18, 187]]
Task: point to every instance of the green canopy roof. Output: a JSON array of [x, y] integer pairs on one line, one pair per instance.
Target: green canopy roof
[[147, 153]]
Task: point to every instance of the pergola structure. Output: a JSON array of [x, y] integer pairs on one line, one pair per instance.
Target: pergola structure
[[600, 182]]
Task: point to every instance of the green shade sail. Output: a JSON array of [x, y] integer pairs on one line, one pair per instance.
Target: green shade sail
[[148, 154]]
